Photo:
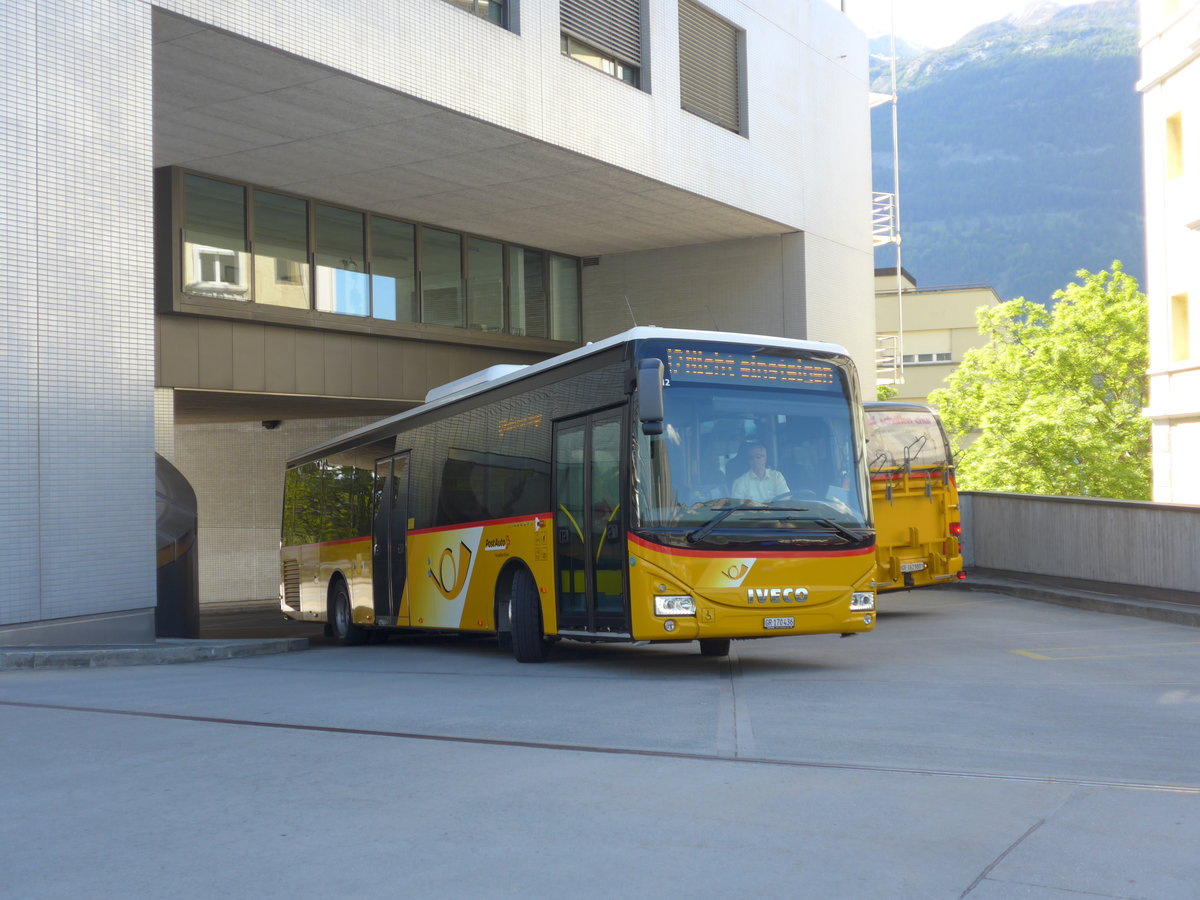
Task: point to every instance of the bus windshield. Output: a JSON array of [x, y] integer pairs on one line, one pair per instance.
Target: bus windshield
[[751, 465], [905, 438]]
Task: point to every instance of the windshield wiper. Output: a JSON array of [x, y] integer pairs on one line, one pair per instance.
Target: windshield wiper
[[706, 529], [841, 530]]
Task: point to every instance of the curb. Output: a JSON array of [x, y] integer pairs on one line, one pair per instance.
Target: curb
[[1156, 610], [161, 652]]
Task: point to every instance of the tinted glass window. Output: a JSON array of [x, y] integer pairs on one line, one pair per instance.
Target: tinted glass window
[[564, 293], [393, 270], [527, 301], [441, 278], [485, 284], [281, 275], [341, 274], [215, 262]]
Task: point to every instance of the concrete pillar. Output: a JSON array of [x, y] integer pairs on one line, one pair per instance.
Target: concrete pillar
[[76, 371]]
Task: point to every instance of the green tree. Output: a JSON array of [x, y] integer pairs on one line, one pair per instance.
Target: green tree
[[885, 391], [1056, 395]]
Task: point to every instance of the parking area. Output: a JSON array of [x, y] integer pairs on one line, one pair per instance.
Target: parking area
[[975, 745]]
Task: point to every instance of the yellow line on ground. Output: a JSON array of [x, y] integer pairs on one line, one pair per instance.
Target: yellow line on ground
[[1114, 651]]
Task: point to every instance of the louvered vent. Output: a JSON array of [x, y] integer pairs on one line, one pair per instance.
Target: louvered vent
[[291, 583], [709, 79]]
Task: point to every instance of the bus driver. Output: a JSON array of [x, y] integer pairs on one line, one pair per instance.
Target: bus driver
[[759, 483]]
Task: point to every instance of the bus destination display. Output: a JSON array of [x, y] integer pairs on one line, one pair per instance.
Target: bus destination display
[[691, 364]]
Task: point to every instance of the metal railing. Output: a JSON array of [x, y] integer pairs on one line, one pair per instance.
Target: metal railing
[[883, 219]]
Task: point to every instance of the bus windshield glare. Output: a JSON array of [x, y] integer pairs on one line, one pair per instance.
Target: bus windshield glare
[[748, 459]]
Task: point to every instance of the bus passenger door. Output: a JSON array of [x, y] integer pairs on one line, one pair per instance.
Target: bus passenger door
[[389, 558], [589, 535]]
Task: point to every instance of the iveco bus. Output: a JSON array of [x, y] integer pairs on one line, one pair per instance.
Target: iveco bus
[[591, 497]]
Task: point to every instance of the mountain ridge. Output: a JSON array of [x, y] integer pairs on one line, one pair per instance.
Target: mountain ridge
[[1020, 151]]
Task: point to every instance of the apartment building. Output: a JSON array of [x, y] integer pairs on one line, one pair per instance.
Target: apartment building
[[234, 229], [929, 328], [1170, 86]]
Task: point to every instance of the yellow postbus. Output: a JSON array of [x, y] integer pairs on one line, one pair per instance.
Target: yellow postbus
[[591, 497], [915, 499]]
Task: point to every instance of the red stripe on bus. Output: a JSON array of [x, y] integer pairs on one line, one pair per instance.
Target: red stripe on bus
[[483, 523], [753, 554]]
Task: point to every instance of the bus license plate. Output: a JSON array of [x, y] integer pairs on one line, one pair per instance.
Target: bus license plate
[[779, 622], [912, 567]]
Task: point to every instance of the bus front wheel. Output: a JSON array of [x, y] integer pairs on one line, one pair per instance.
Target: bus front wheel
[[525, 615], [714, 646], [341, 618]]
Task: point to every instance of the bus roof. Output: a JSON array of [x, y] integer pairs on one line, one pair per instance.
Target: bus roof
[[895, 404], [496, 376]]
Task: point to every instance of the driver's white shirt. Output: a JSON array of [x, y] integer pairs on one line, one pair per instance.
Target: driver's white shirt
[[750, 487]]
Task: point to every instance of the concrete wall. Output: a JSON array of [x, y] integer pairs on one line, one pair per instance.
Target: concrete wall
[[793, 285], [76, 357], [1124, 543], [237, 471]]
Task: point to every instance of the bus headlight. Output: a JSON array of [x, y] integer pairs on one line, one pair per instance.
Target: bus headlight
[[862, 601], [674, 605]]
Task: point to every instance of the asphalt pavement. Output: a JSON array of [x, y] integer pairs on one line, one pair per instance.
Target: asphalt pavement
[[975, 745]]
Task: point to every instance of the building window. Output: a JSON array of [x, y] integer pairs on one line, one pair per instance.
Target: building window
[[527, 291], [564, 292], [605, 34], [280, 250], [485, 284], [492, 10], [1175, 146], [341, 269], [917, 359], [710, 66], [394, 270], [441, 278], [309, 255], [1181, 329], [215, 261]]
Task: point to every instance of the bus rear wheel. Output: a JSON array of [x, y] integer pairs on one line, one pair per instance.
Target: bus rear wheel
[[341, 618], [714, 646], [525, 615]]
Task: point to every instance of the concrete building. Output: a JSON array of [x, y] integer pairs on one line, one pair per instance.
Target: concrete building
[[938, 324], [232, 229], [1170, 87]]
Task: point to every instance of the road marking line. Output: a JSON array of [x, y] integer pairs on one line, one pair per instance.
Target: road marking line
[[1119, 651]]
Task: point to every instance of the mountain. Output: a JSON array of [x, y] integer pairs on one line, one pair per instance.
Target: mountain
[[880, 48], [1020, 151]]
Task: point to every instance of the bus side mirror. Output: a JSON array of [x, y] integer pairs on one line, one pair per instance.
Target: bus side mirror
[[650, 395]]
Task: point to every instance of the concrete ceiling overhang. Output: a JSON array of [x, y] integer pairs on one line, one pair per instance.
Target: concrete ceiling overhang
[[209, 407], [235, 108]]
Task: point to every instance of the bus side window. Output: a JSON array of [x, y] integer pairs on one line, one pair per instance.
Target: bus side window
[[459, 499]]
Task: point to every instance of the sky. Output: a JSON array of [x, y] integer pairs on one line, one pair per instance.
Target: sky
[[934, 23]]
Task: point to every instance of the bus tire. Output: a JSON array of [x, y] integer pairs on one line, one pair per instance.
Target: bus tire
[[714, 646], [525, 614], [341, 618]]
